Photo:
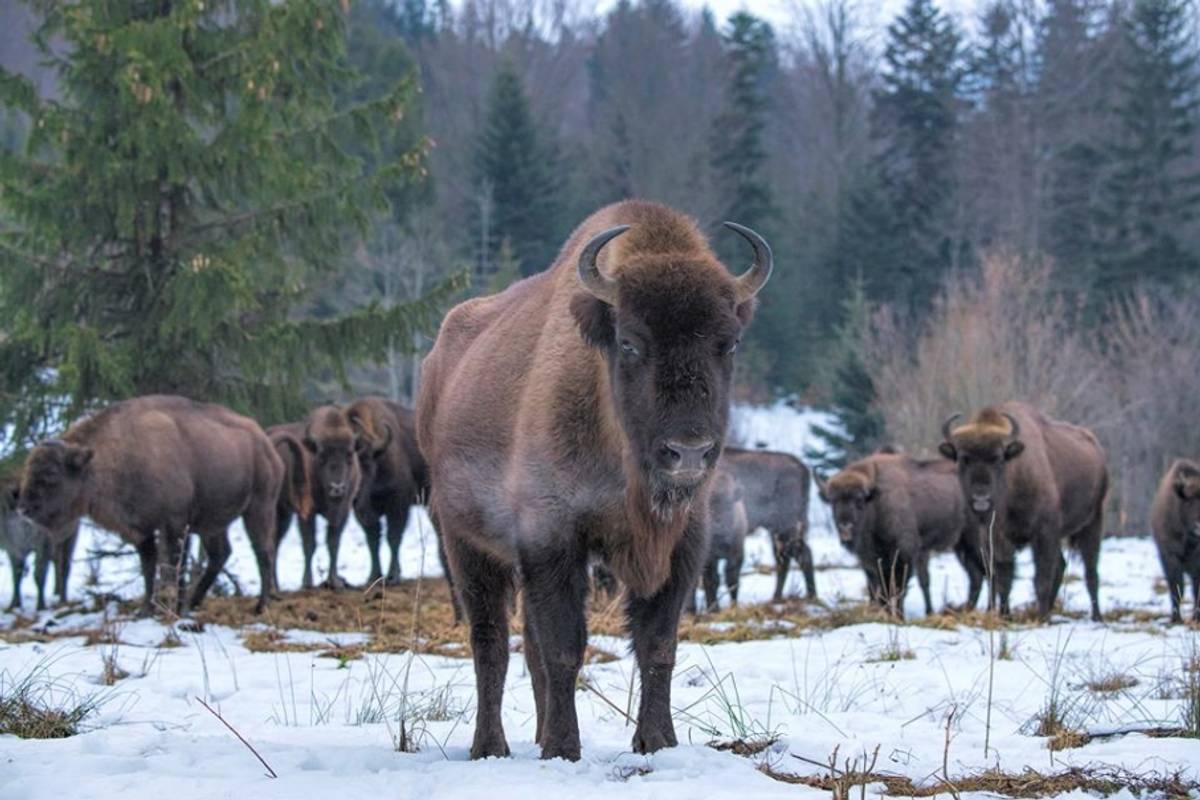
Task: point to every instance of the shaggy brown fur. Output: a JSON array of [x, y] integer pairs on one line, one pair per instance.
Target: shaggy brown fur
[[166, 464], [1044, 486], [1175, 520], [328, 467], [561, 419], [776, 487], [892, 511]]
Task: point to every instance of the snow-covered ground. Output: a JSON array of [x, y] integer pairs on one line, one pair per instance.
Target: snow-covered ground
[[328, 728]]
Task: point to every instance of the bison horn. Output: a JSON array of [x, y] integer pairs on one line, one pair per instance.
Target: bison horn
[[946, 425], [589, 274], [1016, 429], [753, 279]]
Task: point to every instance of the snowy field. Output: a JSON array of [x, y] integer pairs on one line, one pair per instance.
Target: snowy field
[[916, 694]]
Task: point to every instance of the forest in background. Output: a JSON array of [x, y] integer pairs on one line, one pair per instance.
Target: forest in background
[[898, 173]]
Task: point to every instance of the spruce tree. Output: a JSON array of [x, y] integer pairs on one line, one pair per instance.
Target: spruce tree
[[171, 210], [1153, 195], [915, 121], [515, 168]]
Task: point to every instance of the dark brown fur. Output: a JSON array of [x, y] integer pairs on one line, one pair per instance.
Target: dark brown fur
[[893, 511], [1175, 520], [542, 413], [326, 471], [776, 487], [166, 464], [1045, 487]]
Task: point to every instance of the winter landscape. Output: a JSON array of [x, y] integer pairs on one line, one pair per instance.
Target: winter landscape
[[788, 700]]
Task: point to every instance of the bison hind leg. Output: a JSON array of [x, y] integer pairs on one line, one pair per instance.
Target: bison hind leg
[[216, 552], [1087, 543]]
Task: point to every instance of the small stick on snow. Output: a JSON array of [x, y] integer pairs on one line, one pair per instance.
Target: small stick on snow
[[241, 738]]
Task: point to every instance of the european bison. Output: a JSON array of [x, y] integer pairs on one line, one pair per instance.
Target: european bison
[[892, 511], [1175, 519], [19, 537], [775, 487], [728, 526], [583, 409], [322, 476], [167, 464], [1042, 481]]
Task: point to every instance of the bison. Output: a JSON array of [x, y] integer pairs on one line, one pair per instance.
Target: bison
[[775, 487], [167, 464], [1031, 480], [728, 526], [19, 537], [1175, 520], [322, 477], [892, 511], [583, 410]]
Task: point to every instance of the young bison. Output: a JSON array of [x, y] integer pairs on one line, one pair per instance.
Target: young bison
[[727, 525], [19, 537], [1175, 519], [322, 477], [1034, 481], [166, 464], [892, 511], [775, 487], [582, 410]]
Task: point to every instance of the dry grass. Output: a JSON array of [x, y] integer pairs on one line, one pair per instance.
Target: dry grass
[[1111, 683], [36, 707], [1029, 783]]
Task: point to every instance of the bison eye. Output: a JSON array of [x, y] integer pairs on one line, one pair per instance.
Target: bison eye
[[732, 348], [629, 349]]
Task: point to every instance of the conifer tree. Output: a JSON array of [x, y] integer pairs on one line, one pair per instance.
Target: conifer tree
[[515, 166], [1153, 194], [172, 208]]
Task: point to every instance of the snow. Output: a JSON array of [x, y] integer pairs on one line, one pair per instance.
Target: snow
[[327, 727]]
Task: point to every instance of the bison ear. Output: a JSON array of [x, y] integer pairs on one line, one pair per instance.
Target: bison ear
[[1012, 450], [948, 450], [594, 318], [78, 458], [1181, 488], [745, 311]]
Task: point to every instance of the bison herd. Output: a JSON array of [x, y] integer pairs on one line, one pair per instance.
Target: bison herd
[[580, 417]]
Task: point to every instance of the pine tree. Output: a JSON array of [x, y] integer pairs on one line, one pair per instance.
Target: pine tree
[[916, 120], [860, 428], [171, 210], [515, 168], [1153, 195]]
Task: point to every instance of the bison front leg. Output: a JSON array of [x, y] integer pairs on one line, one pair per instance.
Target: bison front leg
[[783, 555], [972, 563], [373, 529], [63, 553], [333, 542], [654, 626], [555, 593], [712, 585], [1195, 594], [397, 521], [733, 575], [18, 571]]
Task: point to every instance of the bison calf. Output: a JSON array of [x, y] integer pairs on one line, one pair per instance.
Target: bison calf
[[727, 525], [1175, 520], [892, 511], [1032, 481], [166, 464], [19, 537], [775, 489]]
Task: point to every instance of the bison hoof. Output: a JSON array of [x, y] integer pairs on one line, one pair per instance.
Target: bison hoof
[[651, 739], [489, 747], [335, 583], [567, 752]]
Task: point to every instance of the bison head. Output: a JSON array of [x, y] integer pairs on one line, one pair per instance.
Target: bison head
[[982, 449], [372, 439], [668, 326], [333, 444], [851, 495], [1187, 489], [52, 493]]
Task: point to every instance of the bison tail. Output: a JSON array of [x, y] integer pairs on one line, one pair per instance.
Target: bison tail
[[297, 473]]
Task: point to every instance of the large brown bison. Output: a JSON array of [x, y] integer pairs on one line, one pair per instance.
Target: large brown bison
[[1175, 520], [775, 488], [166, 464], [583, 410], [19, 537], [1040, 481], [892, 511], [322, 477]]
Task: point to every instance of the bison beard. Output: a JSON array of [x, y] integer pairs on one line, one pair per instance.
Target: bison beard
[[578, 415]]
